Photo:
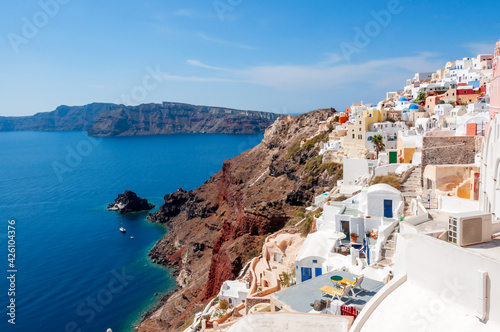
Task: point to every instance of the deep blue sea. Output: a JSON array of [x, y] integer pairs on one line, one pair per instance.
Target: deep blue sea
[[75, 270]]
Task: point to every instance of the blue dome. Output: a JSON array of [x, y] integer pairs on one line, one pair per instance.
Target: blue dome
[[404, 111], [414, 107], [403, 99]]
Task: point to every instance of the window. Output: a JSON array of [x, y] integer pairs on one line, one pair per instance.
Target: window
[[315, 261]]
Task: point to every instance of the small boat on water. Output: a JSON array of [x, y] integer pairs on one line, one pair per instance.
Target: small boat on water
[[123, 230], [132, 237]]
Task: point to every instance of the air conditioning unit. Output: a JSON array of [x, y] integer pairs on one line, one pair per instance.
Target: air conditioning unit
[[469, 228]]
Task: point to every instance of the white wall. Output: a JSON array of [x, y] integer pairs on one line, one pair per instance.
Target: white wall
[[329, 212], [353, 169], [489, 192], [307, 262], [438, 267], [391, 168], [457, 204], [376, 203]]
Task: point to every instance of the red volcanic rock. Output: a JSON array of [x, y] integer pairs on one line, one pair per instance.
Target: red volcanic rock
[[216, 229]]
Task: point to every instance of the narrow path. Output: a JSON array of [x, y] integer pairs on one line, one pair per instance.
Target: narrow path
[[411, 188]]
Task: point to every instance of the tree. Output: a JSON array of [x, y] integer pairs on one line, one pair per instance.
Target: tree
[[420, 98], [378, 143]]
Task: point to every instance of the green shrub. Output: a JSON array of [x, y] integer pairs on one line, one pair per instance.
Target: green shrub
[[331, 168], [340, 198], [390, 179], [301, 212], [306, 227], [224, 305], [293, 150], [308, 145]]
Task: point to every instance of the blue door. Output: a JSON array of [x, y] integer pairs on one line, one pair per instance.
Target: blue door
[[306, 273], [317, 271], [387, 208]]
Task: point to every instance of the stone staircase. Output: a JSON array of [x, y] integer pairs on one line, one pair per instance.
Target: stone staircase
[[411, 188], [388, 250]]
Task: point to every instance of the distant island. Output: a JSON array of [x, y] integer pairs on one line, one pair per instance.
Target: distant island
[[102, 119]]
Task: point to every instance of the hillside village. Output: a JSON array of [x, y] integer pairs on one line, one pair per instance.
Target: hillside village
[[409, 239]]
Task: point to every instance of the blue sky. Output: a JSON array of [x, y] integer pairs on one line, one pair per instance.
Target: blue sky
[[281, 56]]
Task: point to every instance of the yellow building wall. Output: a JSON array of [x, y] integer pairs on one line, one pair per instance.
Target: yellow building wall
[[407, 155], [465, 190], [373, 116]]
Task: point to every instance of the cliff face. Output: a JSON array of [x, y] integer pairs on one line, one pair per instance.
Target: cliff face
[[173, 118], [215, 229], [147, 119], [63, 118]]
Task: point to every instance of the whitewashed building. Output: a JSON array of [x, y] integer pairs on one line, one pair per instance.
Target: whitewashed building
[[489, 195]]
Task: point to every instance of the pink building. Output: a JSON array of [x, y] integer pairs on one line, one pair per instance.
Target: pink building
[[495, 84]]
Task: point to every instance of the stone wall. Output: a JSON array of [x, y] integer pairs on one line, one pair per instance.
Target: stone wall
[[450, 150], [251, 301]]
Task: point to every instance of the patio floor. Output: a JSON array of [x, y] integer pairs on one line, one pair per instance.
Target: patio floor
[[299, 297]]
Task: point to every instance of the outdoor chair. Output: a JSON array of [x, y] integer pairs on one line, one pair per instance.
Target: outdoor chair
[[356, 284], [337, 293]]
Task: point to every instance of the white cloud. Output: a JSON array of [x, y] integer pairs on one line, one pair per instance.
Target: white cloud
[[185, 12], [480, 48], [200, 64], [225, 42], [384, 73], [194, 79], [333, 58], [98, 86]]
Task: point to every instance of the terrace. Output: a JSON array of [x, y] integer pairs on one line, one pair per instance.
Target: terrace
[[298, 298]]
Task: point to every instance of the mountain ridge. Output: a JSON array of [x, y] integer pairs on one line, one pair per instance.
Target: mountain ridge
[[106, 119]]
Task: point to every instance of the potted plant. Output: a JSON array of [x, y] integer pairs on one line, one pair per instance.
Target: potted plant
[[354, 237]]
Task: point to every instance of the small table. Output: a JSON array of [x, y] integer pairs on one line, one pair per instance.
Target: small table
[[338, 280]]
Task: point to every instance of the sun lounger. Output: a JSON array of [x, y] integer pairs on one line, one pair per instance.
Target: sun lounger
[[355, 284], [337, 293]]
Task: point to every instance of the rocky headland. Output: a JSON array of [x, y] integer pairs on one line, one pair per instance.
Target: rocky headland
[[176, 118], [215, 229], [129, 202], [63, 118], [100, 119]]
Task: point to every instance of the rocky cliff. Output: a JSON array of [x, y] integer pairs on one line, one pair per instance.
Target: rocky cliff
[[148, 119], [129, 202], [215, 229], [63, 118], [173, 118]]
